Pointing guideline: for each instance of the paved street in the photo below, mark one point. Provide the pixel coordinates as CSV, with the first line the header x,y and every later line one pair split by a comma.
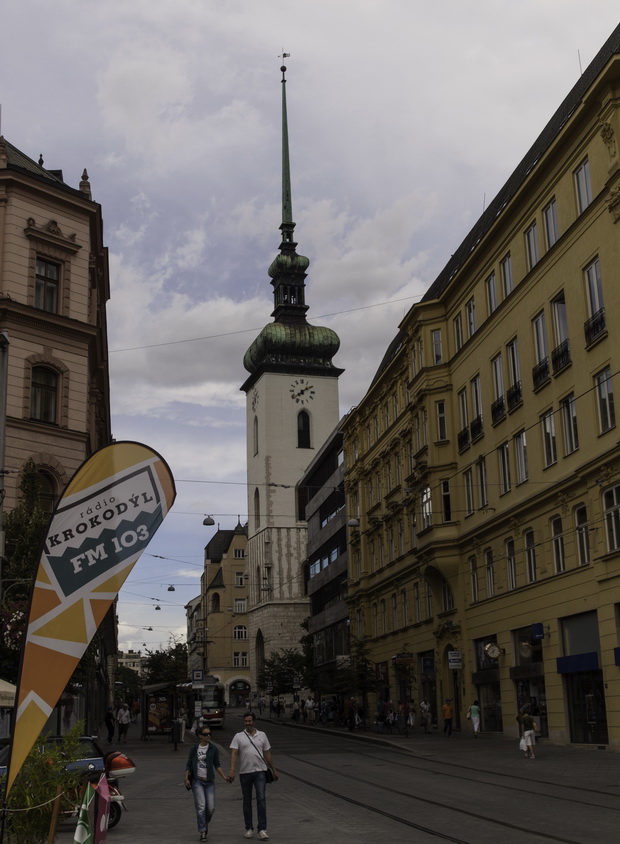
x,y
337,787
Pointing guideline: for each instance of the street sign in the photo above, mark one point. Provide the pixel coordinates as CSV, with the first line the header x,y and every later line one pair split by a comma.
x,y
455,660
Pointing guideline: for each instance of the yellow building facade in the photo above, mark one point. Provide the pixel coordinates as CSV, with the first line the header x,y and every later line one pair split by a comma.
x,y
483,464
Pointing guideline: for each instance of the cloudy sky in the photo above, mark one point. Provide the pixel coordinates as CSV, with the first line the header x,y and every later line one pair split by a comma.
x,y
405,117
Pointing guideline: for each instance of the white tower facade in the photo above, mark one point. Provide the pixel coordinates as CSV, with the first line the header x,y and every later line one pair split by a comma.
x,y
292,407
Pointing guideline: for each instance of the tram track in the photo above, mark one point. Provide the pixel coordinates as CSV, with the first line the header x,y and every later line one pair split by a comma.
x,y
481,772
443,805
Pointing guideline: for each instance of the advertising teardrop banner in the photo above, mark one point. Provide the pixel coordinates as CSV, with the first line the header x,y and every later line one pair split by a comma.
x,y
105,519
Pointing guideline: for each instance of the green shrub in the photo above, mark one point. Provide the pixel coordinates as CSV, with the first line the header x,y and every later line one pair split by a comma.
x,y
31,799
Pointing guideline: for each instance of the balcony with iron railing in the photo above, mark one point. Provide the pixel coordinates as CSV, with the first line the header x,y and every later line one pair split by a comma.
x,y
498,410
560,357
463,439
541,373
514,395
595,327
476,428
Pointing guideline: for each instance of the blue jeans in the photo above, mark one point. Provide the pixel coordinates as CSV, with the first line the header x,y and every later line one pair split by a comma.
x,y
256,779
204,801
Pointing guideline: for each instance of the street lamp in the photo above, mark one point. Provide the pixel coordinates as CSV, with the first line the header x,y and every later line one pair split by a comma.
x,y
208,521
13,582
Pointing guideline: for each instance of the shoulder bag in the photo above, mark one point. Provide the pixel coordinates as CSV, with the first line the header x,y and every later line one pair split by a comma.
x,y
269,775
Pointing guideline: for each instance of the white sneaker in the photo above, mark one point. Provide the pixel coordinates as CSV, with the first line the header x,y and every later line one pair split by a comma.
x,y
248,833
262,834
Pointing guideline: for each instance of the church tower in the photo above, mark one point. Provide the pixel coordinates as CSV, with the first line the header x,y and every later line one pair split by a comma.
x,y
291,408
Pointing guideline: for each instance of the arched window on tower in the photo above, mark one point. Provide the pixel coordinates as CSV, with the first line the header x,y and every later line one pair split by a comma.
x,y
215,602
255,434
303,429
256,508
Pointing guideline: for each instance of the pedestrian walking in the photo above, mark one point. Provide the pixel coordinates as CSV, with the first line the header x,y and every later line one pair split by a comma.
x,y
110,723
123,718
473,714
202,763
448,714
425,715
527,731
254,752
182,719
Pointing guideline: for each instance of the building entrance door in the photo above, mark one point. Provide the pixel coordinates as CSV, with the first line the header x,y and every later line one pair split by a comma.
x,y
587,713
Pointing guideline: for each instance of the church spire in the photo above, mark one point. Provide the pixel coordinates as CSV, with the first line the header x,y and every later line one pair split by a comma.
x,y
287,201
290,344
288,271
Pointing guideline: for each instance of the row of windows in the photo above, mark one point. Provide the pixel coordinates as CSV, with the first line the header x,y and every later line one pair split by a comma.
x,y
471,426
388,616
464,329
399,610
239,604
530,545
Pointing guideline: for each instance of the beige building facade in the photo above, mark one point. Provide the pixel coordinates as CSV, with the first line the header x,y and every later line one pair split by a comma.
x,y
54,389
483,464
54,285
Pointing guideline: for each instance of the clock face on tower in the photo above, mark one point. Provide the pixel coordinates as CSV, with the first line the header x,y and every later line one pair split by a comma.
x,y
254,399
302,391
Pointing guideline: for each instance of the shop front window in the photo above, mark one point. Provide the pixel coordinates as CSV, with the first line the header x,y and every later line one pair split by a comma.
x,y
528,674
583,678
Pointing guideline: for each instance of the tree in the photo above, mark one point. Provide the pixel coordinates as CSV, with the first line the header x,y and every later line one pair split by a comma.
x,y
358,676
309,671
45,772
130,681
25,527
281,670
167,666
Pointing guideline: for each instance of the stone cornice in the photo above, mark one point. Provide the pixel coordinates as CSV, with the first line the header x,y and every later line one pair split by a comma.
x,y
49,430
42,321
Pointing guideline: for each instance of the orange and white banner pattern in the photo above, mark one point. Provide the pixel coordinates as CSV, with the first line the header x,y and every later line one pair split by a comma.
x,y
108,514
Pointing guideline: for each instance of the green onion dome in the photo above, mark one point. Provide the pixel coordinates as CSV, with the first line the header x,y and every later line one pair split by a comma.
x,y
282,345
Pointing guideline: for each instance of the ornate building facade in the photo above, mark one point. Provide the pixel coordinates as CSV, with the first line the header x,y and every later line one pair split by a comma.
x,y
54,286
483,463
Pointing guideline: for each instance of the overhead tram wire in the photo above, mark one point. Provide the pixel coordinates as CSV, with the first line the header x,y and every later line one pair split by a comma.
x,y
254,330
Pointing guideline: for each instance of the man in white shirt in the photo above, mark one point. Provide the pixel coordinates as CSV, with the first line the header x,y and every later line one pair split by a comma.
x,y
123,717
254,752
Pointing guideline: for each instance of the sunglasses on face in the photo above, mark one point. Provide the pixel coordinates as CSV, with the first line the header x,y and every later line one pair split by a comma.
x,y
204,735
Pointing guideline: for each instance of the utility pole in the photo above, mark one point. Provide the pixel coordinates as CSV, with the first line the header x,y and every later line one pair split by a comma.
x,y
4,379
